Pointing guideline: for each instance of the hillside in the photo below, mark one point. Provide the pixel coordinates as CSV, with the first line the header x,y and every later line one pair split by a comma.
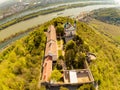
x,y
110,15
112,31
106,68
20,63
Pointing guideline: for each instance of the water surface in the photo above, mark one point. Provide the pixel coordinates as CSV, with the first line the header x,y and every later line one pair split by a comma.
x,y
21,26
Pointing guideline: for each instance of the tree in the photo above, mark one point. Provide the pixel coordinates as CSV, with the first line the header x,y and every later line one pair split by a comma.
x,y
84,48
56,75
69,58
78,40
71,45
42,88
60,30
79,60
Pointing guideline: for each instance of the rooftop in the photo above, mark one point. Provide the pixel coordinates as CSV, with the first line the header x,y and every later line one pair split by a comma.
x,y
51,33
50,53
47,69
68,27
51,48
51,45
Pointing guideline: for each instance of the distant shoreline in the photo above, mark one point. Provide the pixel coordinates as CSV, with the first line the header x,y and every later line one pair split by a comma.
x,y
45,18
44,12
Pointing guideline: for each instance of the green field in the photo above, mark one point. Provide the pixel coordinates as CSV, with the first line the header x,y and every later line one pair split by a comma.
x,y
107,22
109,30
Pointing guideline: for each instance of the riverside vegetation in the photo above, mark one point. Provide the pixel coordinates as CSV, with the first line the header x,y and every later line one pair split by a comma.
x,y
20,63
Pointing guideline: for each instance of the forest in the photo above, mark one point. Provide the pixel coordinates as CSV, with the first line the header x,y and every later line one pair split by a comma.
x,y
21,62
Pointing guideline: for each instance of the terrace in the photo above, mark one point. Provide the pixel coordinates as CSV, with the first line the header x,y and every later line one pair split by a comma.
x,y
79,76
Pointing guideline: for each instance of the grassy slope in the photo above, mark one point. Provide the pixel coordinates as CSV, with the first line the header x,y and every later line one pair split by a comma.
x,y
106,68
109,15
111,30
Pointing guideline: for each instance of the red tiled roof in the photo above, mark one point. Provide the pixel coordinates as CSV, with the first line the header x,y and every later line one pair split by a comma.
x,y
51,45
50,53
51,34
47,68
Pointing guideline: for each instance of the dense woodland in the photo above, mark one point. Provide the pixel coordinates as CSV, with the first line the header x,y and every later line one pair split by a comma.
x,y
75,53
109,15
21,62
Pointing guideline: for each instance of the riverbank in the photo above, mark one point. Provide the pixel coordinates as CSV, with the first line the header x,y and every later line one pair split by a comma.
x,y
49,6
7,41
24,25
44,12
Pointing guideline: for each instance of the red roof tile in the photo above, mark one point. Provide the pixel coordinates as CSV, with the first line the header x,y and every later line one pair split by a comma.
x,y
50,53
51,45
47,69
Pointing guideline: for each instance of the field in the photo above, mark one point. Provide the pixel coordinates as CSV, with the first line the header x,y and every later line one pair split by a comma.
x,y
109,30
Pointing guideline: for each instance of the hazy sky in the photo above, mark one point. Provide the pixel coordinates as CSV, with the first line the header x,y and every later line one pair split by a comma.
x,y
1,1
117,1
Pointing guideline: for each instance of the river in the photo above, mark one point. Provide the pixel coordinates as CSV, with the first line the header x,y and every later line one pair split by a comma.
x,y
5,44
22,26
26,12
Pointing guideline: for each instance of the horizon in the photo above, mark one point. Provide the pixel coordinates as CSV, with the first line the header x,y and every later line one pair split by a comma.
x,y
2,1
116,1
